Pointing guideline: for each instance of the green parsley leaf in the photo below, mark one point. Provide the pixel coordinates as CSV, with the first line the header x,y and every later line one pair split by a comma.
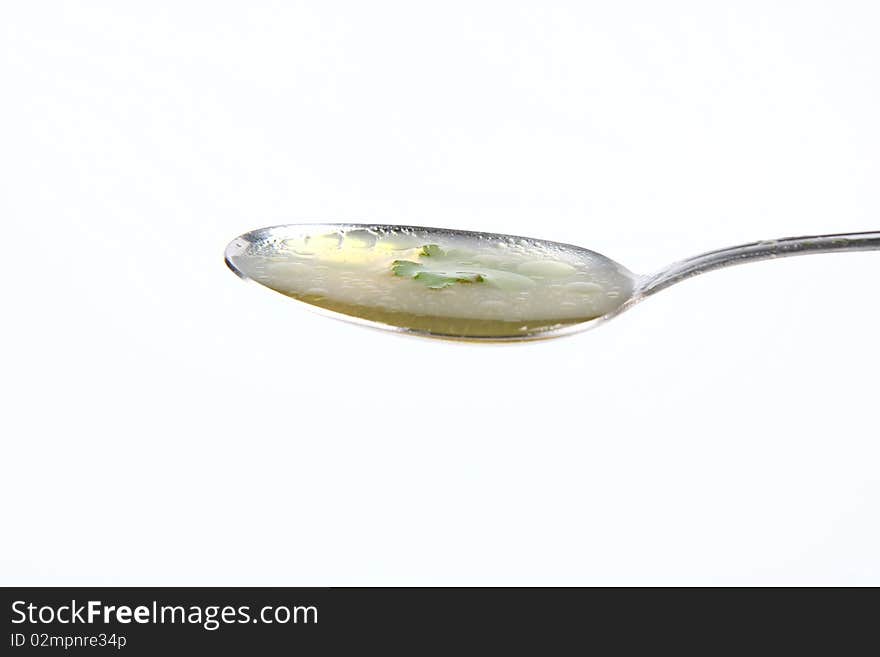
x,y
440,279
431,251
433,278
405,268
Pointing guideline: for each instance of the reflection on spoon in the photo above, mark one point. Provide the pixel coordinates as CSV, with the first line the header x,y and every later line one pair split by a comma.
x,y
467,285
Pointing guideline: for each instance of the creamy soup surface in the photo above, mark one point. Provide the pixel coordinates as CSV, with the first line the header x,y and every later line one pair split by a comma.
x,y
436,281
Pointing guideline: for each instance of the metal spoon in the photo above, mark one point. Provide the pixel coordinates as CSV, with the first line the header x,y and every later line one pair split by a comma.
x,y
473,286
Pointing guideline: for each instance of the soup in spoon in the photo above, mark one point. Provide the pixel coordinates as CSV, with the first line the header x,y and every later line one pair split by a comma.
x,y
434,281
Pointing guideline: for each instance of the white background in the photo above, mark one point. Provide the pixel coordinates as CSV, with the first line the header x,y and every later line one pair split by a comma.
x,y
165,423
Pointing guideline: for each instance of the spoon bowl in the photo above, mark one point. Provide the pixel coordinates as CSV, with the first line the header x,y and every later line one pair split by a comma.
x,y
469,285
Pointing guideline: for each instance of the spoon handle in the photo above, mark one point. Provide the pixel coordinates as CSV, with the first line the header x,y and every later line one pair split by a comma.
x,y
734,255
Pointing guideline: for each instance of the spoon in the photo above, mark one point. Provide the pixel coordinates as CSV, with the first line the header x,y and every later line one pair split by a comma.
x,y
473,286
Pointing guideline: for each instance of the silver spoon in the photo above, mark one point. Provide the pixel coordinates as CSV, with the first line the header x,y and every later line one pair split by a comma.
x,y
473,286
